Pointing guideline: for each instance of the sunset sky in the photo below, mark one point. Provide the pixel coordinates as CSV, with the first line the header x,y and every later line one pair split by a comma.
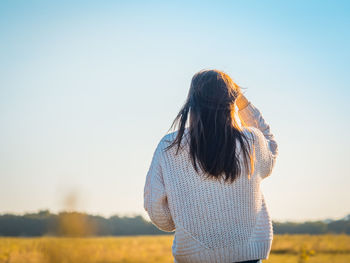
x,y
87,89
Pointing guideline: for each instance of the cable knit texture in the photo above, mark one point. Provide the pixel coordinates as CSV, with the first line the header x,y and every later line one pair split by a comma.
x,y
213,221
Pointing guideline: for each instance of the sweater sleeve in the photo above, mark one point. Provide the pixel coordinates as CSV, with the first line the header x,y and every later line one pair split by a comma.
x,y
155,198
268,148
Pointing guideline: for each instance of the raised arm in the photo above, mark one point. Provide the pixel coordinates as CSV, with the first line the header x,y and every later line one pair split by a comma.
x,y
252,117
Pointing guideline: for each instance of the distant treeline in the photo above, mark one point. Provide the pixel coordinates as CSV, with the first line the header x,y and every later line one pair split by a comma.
x,y
80,224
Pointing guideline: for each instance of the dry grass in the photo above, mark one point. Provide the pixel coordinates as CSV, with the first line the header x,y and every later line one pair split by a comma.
x,y
152,249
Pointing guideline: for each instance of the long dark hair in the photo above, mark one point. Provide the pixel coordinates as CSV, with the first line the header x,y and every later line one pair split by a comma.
x,y
213,128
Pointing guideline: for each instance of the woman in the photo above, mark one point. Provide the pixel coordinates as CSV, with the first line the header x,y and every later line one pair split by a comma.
x,y
204,178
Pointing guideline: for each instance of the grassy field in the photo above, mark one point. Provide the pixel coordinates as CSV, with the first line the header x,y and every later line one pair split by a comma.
x,y
152,249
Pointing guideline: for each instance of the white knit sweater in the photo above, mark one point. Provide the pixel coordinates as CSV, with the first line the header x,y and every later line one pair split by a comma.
x,y
213,221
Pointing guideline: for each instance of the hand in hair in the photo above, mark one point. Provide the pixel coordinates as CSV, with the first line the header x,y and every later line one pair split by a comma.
x,y
241,101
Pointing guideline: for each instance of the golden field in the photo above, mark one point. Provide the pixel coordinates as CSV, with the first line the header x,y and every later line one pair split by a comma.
x,y
152,249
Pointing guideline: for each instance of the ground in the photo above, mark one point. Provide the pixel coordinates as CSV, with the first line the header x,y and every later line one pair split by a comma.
x,y
152,249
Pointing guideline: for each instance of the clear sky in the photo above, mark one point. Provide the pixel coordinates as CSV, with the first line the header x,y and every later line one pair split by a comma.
x,y
87,89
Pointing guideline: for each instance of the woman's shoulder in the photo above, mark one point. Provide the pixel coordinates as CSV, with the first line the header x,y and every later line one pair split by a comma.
x,y
258,138
255,136
250,132
169,138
